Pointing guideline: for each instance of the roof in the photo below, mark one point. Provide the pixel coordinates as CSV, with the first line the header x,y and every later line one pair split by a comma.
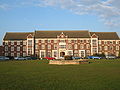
x,y
106,35
16,35
54,34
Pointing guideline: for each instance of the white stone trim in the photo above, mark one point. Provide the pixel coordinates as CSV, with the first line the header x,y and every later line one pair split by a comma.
x,y
42,51
80,52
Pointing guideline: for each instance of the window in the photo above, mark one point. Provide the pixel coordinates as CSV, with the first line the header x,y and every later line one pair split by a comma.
x,y
29,51
12,48
117,47
42,46
88,52
18,54
105,48
94,50
70,53
49,41
42,54
81,41
111,47
12,54
24,42
24,48
55,53
24,54
18,42
117,42
55,46
6,43
6,54
99,42
29,42
76,53
62,46
12,42
94,42
6,48
105,42
88,46
111,42
75,46
87,41
81,46
18,48
49,46
49,53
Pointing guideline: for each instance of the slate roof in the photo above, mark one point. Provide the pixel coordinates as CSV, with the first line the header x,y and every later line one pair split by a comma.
x,y
16,35
106,35
54,34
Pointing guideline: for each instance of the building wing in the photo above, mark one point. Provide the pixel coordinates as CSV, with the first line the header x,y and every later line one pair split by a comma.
x,y
16,35
106,35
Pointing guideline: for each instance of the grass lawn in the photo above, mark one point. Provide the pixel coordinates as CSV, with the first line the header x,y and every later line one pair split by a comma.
x,y
39,75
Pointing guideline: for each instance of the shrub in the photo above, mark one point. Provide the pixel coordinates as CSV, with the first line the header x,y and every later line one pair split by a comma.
x,y
68,57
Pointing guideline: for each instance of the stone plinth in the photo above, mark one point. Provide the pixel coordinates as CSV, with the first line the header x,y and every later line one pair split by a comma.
x,y
64,62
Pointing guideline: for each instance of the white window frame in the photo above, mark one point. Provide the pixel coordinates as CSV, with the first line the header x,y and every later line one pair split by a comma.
x,y
18,54
41,52
18,42
6,48
12,48
49,46
117,47
70,52
12,42
24,48
12,54
75,46
18,48
24,42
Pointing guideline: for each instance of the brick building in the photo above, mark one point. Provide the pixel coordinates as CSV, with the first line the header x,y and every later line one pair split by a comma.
x,y
60,43
1,50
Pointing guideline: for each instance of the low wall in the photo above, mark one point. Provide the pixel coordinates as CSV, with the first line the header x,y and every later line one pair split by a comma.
x,y
63,62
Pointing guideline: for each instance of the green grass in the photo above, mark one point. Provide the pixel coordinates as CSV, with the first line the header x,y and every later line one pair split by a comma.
x,y
39,75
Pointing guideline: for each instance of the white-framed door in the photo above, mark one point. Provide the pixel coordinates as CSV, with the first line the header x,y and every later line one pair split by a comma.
x,y
82,53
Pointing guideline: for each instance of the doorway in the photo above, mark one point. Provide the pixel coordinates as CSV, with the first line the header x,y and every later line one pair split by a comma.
x,y
62,54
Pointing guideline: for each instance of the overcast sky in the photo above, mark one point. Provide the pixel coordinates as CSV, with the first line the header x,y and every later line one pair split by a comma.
x,y
30,15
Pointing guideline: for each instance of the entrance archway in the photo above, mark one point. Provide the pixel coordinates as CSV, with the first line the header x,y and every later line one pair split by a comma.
x,y
62,54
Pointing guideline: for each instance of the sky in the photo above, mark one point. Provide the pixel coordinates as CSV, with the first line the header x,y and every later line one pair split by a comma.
x,y
31,15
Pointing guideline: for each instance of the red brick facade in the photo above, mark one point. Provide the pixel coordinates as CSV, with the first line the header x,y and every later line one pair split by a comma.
x,y
1,50
57,43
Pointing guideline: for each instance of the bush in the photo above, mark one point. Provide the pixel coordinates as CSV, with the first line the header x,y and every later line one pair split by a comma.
x,y
68,57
